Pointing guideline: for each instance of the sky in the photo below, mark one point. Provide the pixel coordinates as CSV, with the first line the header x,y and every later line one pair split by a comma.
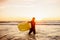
x,y
15,9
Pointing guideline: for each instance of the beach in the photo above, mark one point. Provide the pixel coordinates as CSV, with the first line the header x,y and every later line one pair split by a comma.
x,y
43,32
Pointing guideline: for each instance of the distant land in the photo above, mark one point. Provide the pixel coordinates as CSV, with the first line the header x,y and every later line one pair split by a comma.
x,y
43,22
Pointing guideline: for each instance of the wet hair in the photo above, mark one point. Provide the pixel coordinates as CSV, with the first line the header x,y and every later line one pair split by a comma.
x,y
33,18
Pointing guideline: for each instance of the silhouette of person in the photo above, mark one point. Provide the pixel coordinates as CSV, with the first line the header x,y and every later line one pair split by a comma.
x,y
32,29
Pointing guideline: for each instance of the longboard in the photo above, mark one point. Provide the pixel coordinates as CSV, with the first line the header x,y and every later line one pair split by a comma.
x,y
24,26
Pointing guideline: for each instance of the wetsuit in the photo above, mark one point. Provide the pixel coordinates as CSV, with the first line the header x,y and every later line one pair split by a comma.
x,y
32,27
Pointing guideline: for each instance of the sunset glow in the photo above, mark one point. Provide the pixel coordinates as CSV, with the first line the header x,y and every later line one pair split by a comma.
x,y
26,9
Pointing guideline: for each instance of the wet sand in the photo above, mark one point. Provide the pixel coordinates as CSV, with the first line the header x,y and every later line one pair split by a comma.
x,y
43,32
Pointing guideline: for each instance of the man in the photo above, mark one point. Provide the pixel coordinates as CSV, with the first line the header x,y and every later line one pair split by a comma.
x,y
32,29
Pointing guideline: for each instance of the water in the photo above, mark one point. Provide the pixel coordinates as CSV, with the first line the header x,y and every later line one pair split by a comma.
x,y
43,32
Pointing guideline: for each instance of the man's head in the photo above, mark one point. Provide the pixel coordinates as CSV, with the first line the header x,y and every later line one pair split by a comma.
x,y
33,18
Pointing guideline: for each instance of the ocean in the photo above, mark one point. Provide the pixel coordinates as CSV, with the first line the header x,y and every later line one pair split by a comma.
x,y
9,31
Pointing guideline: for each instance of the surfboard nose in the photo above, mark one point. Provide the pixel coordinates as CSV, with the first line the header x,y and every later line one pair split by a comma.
x,y
24,26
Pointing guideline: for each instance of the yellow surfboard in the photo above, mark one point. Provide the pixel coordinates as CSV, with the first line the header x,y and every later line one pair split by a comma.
x,y
24,26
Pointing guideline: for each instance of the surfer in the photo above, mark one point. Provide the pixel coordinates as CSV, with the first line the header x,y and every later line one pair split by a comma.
x,y
32,29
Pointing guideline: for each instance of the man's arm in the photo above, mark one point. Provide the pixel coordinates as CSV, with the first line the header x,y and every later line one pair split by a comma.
x,y
29,21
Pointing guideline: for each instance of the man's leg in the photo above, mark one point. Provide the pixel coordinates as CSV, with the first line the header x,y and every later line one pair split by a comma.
x,y
30,31
34,31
